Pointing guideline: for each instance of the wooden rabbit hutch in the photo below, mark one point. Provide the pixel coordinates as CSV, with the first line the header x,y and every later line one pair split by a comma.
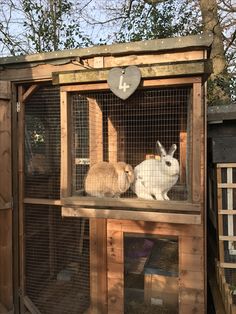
x,y
78,253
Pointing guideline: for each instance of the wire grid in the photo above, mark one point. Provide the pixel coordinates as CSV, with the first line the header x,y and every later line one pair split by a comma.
x,y
147,116
151,273
80,138
56,260
42,144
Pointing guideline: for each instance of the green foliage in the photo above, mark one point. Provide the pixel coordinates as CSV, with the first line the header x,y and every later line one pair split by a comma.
x,y
49,25
221,90
149,21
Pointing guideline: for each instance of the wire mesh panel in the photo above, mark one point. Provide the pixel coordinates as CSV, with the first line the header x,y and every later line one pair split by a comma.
x,y
108,129
42,144
80,136
56,260
151,274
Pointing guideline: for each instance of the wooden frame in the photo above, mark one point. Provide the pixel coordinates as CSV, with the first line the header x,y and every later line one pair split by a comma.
x,y
196,137
120,212
191,262
185,213
229,212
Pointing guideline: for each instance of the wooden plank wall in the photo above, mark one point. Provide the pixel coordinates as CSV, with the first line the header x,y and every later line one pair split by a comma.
x,y
5,197
191,262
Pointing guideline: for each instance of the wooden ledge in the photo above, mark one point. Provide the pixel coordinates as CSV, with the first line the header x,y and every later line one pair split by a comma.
x,y
127,203
180,212
131,203
121,214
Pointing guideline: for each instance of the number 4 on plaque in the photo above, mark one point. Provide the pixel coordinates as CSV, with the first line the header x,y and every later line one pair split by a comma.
x,y
123,85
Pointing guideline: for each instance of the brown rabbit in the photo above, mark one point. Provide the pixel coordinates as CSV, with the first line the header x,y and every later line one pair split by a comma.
x,y
105,179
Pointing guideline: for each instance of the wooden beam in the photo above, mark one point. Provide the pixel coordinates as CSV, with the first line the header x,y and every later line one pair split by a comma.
x,y
197,126
98,266
226,185
6,206
31,306
143,84
42,201
21,192
153,71
65,146
149,206
227,238
131,215
30,91
112,141
227,212
15,220
105,202
183,157
165,57
226,165
228,265
95,132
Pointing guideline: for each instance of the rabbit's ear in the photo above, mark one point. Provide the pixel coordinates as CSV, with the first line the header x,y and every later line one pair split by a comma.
x,y
172,150
161,149
123,183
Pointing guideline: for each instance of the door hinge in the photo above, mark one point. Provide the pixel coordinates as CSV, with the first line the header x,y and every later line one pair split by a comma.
x,y
18,106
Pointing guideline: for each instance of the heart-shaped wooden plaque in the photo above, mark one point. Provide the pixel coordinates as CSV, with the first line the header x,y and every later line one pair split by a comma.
x,y
124,82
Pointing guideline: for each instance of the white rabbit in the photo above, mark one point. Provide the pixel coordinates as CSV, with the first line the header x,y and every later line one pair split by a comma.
x,y
155,177
105,179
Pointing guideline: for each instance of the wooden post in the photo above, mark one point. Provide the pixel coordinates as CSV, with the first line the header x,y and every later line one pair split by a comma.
x,y
183,156
197,129
15,198
6,289
191,273
95,132
98,266
98,289
112,141
65,146
115,261
21,181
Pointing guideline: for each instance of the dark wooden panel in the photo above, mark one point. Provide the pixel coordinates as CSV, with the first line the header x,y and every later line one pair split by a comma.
x,y
224,149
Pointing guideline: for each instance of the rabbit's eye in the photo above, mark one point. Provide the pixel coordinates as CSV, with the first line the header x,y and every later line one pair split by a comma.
x,y
168,163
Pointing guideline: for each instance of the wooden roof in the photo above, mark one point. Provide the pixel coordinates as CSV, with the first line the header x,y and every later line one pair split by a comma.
x,y
193,42
219,113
